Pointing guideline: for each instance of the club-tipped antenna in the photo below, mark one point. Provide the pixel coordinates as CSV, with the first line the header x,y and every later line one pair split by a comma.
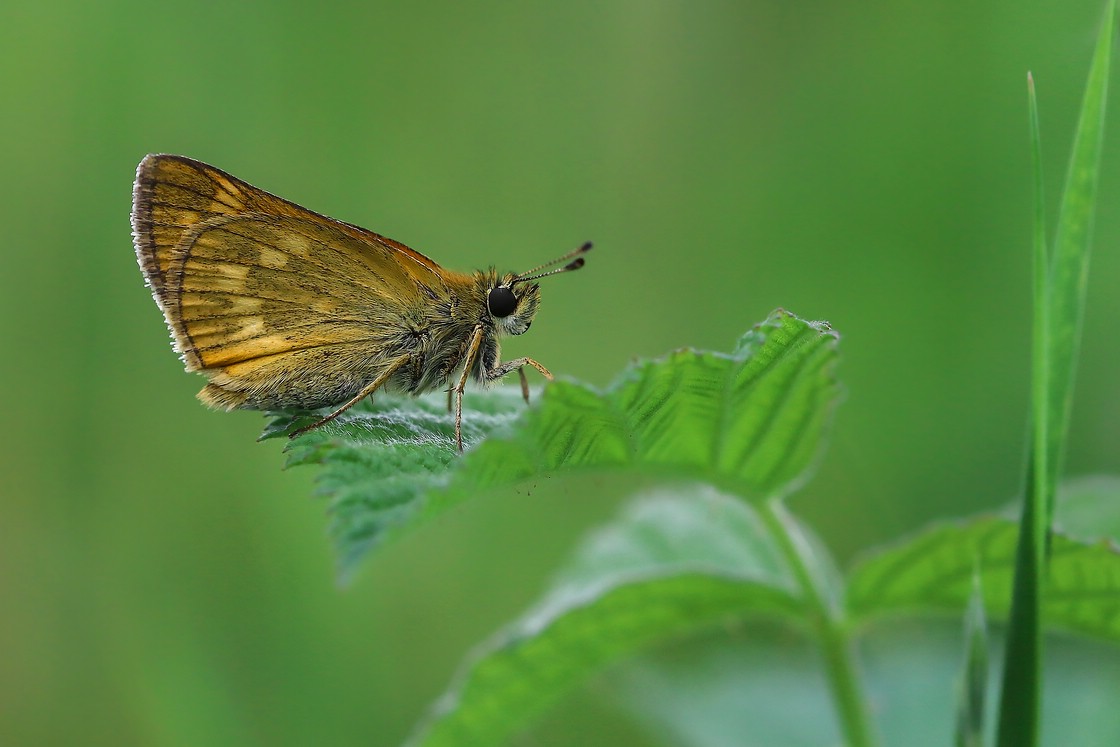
x,y
576,262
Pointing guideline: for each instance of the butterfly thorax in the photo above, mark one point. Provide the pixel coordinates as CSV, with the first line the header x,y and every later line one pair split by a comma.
x,y
441,343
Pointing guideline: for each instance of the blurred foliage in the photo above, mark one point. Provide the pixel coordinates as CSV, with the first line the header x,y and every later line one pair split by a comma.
x,y
164,583
683,561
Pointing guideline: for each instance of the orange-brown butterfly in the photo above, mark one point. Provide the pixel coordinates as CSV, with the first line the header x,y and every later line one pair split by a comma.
x,y
282,308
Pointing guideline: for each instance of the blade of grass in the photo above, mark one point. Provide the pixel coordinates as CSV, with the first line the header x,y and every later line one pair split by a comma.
x,y
1020,691
1041,482
1069,263
1059,299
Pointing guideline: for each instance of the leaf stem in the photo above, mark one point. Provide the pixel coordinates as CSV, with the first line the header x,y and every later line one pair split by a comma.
x,y
826,617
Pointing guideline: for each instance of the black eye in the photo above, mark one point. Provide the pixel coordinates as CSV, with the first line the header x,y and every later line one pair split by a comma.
x,y
502,302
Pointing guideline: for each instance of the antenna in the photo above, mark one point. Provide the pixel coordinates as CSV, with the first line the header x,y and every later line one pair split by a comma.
x,y
576,262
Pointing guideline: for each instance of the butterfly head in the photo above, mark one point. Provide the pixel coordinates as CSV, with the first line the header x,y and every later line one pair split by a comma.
x,y
512,307
514,301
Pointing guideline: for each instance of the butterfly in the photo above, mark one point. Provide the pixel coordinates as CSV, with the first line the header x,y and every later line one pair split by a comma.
x,y
283,308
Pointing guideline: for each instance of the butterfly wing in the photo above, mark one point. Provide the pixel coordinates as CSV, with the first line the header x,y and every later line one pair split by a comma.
x,y
174,194
278,305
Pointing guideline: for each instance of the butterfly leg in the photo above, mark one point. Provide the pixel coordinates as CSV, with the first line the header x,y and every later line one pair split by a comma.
x,y
367,390
524,384
468,363
519,365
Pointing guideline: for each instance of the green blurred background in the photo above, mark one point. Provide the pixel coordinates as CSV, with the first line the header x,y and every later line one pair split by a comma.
x,y
163,582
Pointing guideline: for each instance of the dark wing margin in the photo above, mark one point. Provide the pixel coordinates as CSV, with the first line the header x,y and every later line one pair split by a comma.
x,y
172,195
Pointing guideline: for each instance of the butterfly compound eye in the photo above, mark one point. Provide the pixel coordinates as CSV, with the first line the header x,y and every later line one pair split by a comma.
x,y
501,302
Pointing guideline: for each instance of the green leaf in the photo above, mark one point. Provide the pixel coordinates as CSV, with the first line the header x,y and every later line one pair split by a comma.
x,y
932,571
386,456
691,527
1089,507
670,565
754,688
751,422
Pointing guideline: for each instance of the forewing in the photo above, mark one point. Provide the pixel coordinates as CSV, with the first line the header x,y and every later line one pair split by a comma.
x,y
243,275
174,195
